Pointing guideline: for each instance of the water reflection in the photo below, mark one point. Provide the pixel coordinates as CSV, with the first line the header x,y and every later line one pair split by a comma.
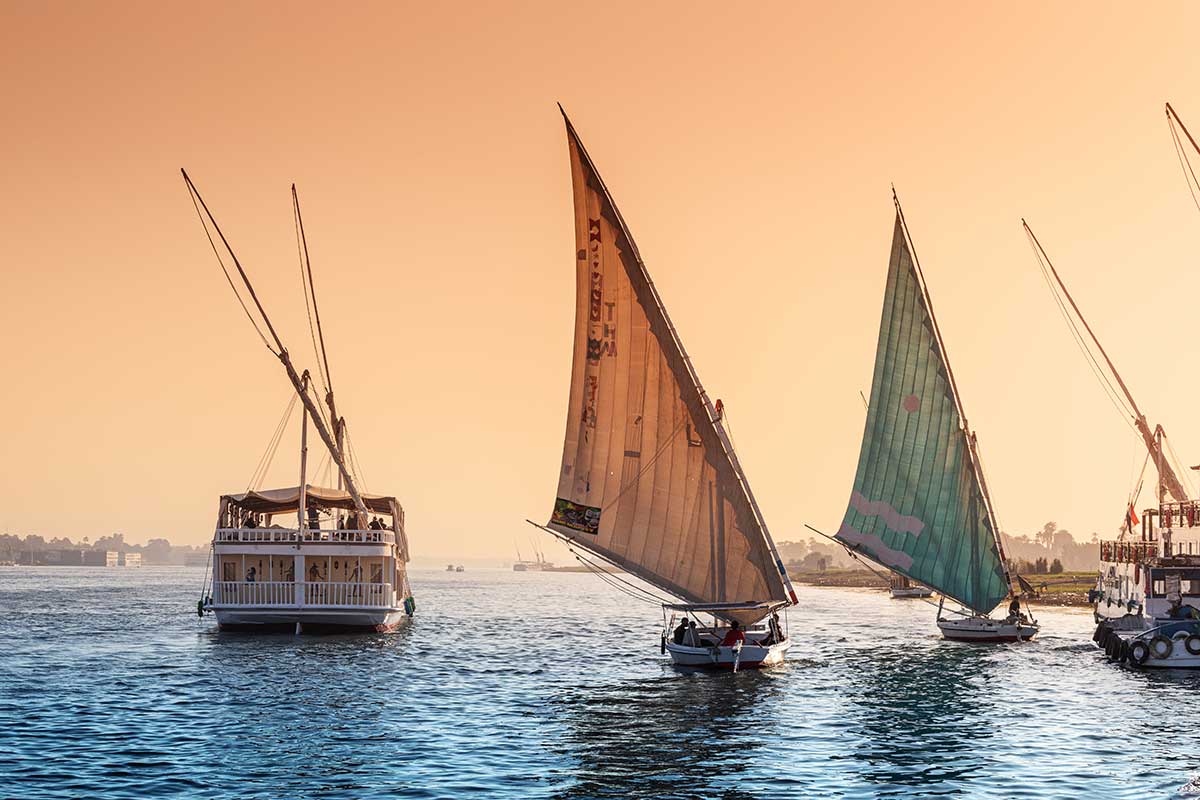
x,y
677,735
918,716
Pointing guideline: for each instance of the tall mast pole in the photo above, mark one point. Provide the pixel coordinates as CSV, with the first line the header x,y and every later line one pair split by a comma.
x,y
339,425
301,389
1167,476
303,461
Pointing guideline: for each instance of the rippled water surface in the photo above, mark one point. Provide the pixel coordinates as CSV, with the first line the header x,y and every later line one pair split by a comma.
x,y
551,685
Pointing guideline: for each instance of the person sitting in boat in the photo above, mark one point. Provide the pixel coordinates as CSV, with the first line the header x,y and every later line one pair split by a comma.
x,y
314,518
734,635
774,631
1179,611
375,525
681,631
251,521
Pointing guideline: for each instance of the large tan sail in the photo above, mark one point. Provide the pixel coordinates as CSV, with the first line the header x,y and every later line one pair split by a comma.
x,y
648,479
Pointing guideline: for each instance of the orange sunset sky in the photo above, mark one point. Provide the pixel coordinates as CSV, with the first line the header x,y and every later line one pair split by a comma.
x,y
751,148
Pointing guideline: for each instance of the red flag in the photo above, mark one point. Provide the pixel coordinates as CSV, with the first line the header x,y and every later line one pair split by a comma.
x,y
1131,518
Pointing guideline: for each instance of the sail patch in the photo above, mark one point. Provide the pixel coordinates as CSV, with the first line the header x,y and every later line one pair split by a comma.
x,y
896,521
875,547
576,516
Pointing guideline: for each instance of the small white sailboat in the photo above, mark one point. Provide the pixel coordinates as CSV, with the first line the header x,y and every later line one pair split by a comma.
x,y
341,562
904,589
649,480
920,505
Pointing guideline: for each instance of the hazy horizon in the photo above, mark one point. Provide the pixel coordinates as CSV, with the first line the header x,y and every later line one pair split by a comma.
x,y
751,153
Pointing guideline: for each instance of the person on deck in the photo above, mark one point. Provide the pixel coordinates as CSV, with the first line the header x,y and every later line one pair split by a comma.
x,y
734,635
314,518
776,632
251,522
692,639
251,575
680,631
1014,609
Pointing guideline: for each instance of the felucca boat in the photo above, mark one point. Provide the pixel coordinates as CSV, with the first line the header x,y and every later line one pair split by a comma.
x,y
649,481
920,505
340,561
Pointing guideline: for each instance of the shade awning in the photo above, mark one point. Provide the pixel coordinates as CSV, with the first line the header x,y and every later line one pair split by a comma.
x,y
281,501
719,607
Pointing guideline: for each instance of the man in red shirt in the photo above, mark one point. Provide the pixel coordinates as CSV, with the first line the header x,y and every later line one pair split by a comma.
x,y
734,635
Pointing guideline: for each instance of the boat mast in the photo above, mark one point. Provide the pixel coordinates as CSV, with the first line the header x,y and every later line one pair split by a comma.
x,y
714,418
285,359
1167,478
310,290
968,434
303,459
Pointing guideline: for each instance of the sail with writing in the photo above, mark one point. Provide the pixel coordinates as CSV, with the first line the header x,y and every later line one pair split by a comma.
x,y
918,506
649,480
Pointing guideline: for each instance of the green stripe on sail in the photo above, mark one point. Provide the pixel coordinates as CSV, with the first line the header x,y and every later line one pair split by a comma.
x,y
917,507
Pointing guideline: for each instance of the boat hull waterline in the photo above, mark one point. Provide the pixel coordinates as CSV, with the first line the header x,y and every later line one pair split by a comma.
x,y
752,656
984,630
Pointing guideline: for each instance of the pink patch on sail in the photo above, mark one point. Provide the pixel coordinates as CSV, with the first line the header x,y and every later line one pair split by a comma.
x,y
912,403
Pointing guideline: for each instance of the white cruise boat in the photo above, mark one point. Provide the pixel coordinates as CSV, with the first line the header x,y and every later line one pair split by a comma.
x,y
1147,594
318,576
306,557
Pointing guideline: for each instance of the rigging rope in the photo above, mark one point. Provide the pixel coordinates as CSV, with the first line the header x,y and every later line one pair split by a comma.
x,y
657,454
264,462
221,261
1185,163
307,287
1106,386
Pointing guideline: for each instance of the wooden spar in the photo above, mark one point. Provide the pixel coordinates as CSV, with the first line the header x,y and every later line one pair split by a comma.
x,y
303,461
1167,475
1171,114
972,447
311,291
286,360
714,418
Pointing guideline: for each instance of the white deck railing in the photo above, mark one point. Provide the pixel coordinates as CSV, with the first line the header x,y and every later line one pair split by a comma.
x,y
267,535
303,593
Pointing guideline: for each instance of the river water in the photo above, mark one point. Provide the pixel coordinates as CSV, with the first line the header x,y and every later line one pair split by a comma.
x,y
540,685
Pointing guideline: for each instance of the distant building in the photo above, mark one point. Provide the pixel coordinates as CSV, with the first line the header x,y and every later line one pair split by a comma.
x,y
112,558
131,559
95,558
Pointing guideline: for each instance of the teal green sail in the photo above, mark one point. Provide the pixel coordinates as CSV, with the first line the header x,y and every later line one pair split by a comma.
x,y
918,506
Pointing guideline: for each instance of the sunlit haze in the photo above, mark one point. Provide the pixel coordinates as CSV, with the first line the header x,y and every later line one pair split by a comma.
x,y
751,149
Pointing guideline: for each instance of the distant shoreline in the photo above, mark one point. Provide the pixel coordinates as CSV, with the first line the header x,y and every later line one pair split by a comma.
x,y
1071,592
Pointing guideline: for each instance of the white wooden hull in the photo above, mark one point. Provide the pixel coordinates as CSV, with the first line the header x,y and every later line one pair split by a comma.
x,y
985,629
910,592
378,619
751,656
1164,648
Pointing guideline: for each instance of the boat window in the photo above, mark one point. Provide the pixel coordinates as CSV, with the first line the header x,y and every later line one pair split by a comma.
x,y
1160,587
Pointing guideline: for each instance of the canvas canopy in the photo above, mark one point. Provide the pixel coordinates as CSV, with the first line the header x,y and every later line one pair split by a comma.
x,y
282,501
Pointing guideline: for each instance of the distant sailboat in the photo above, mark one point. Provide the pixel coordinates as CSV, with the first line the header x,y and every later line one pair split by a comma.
x,y
920,506
649,481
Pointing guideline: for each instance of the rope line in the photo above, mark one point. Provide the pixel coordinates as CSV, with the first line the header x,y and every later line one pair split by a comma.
x,y
1110,391
236,293
1185,163
264,462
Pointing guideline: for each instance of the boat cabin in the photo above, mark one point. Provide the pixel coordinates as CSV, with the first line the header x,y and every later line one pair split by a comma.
x,y
1148,575
278,560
